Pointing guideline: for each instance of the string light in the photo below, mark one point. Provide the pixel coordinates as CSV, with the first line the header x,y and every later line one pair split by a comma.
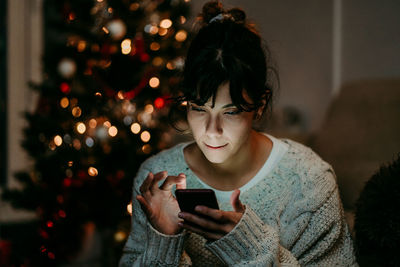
x,y
92,123
92,171
149,108
120,236
170,66
80,127
145,136
89,142
98,94
126,46
134,6
112,131
58,140
64,102
166,23
77,144
105,30
159,102
154,82
135,128
81,46
181,36
129,208
182,19
120,95
70,163
146,149
162,31
154,46
157,61
76,112
107,124
64,87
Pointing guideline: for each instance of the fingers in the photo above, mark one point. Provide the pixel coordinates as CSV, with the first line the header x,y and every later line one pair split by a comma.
x,y
157,178
182,184
236,203
172,180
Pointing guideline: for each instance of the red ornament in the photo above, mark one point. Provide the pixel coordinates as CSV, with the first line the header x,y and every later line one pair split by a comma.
x,y
65,88
50,224
159,102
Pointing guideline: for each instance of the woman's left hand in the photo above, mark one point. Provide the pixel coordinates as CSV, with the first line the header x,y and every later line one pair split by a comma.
x,y
221,222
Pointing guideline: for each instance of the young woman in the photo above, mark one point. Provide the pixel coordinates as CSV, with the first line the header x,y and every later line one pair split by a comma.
x,y
279,202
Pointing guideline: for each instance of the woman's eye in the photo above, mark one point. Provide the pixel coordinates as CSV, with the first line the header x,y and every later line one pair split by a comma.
x,y
233,112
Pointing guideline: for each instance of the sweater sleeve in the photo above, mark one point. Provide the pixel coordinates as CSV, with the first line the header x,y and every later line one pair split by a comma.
x,y
321,240
145,245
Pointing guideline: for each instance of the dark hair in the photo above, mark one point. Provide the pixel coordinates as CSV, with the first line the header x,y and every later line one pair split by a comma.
x,y
227,49
377,221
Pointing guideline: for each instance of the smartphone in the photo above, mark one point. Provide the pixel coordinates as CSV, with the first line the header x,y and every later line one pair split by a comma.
x,y
188,199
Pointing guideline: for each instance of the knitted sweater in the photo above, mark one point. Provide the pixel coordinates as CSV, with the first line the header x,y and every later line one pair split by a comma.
x,y
293,217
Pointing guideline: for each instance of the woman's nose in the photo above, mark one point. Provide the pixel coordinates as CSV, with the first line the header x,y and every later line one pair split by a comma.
x,y
214,126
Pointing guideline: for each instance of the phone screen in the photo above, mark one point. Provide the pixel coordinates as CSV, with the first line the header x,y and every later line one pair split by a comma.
x,y
188,199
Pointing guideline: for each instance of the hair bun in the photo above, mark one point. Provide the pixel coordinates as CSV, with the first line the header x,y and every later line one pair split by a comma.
x,y
237,14
210,10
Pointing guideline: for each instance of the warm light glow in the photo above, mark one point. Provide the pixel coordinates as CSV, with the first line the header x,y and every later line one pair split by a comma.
x,y
112,131
135,128
92,171
105,30
110,10
120,95
76,112
182,19
126,47
76,144
162,31
154,46
107,124
184,103
129,208
58,140
80,127
64,103
81,46
166,23
181,35
170,66
134,6
157,61
159,102
70,163
145,136
120,236
146,149
92,123
98,94
149,108
153,30
154,82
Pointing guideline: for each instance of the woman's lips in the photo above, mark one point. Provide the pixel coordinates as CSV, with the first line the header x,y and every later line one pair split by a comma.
x,y
215,147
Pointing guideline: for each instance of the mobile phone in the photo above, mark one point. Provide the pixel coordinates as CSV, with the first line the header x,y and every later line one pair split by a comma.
x,y
188,199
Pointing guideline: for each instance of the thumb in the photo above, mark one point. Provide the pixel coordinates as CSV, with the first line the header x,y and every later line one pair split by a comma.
x,y
236,203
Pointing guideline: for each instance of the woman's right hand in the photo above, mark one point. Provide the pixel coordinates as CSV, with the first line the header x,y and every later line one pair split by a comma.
x,y
158,203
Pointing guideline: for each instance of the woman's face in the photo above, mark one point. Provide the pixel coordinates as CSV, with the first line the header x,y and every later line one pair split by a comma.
x,y
222,131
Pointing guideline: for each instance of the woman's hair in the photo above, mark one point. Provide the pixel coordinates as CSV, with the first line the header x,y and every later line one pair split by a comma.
x,y
227,49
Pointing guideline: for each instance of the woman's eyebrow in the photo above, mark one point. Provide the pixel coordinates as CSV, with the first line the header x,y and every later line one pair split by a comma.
x,y
229,105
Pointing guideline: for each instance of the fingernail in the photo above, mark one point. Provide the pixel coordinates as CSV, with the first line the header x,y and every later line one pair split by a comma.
x,y
198,208
180,224
180,215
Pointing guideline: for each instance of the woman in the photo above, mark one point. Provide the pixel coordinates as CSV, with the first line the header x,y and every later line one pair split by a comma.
x,y
279,202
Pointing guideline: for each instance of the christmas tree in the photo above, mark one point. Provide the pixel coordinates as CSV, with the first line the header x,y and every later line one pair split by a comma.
x,y
110,67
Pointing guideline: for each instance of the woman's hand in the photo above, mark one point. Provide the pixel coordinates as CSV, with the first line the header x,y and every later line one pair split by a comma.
x,y
221,222
158,203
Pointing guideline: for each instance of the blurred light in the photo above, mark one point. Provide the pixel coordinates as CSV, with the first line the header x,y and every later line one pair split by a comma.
x,y
62,214
149,108
64,87
146,149
162,31
154,82
107,124
166,23
50,224
99,1
76,112
129,208
67,139
89,142
71,16
76,144
95,48
64,102
80,127
112,131
184,103
182,19
127,120
58,140
134,6
69,173
170,66
105,30
135,128
92,123
70,163
98,94
154,46
92,171
126,46
52,146
120,236
110,10
120,95
159,102
157,61
187,1
145,136
81,46
73,102
51,255
181,35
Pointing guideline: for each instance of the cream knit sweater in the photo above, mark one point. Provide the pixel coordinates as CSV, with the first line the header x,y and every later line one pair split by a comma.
x,y
293,217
